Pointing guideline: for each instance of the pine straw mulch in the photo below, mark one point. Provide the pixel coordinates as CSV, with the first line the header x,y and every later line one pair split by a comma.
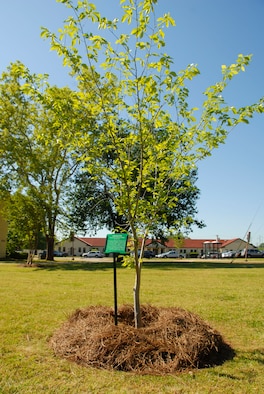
x,y
171,339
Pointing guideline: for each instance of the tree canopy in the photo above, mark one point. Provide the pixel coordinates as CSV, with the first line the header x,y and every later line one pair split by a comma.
x,y
91,206
161,138
38,158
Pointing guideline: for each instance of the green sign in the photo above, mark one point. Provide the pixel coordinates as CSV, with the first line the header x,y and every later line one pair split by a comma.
x,y
116,243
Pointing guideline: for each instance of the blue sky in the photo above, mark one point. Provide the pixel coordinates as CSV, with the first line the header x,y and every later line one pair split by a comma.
x,y
209,33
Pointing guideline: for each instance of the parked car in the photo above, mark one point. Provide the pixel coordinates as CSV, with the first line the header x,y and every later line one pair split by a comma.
x,y
252,253
212,255
56,253
229,254
92,253
147,254
42,255
170,254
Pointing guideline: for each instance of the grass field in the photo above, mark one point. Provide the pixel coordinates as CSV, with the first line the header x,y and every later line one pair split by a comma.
x,y
36,301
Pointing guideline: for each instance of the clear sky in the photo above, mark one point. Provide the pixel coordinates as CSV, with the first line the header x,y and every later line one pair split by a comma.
x,y
209,33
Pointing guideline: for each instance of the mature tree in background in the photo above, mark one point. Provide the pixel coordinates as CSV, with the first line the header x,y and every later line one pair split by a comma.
x,y
91,207
25,229
182,216
261,246
168,136
37,127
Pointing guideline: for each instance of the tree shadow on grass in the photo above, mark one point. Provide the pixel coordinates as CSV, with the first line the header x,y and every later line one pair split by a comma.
x,y
256,355
244,357
151,264
74,266
167,265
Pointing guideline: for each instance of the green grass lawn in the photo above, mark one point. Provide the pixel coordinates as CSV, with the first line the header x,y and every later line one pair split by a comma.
x,y
36,301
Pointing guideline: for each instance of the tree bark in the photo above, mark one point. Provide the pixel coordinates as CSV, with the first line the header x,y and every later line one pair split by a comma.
x,y
50,247
137,309
138,266
30,257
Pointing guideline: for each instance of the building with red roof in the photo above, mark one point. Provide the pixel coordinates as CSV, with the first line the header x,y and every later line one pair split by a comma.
x,y
186,247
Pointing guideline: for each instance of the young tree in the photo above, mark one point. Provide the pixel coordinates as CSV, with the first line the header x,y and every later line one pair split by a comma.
x,y
164,137
37,128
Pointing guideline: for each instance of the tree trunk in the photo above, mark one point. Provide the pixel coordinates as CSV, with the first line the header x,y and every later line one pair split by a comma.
x,y
137,309
30,257
50,247
138,265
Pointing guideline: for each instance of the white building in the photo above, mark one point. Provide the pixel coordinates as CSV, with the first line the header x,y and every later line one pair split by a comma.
x,y
79,245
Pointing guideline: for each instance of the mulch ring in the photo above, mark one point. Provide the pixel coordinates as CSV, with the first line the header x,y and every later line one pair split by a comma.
x,y
171,339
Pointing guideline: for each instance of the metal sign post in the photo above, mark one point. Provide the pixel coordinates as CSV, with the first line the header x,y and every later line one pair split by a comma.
x,y
116,244
115,289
